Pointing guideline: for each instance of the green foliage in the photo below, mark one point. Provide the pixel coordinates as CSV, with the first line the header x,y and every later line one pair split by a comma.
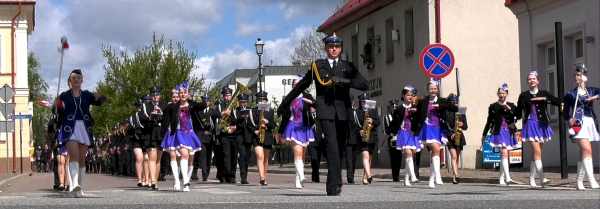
x,y
274,105
129,76
38,92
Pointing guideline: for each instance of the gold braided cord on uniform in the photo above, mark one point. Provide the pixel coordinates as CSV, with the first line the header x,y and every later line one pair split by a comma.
x,y
316,72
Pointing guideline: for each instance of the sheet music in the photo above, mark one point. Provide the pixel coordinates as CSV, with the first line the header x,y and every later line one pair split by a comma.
x,y
264,106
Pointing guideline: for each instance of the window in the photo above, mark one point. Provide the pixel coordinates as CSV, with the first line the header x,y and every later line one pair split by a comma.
x,y
389,43
551,79
409,38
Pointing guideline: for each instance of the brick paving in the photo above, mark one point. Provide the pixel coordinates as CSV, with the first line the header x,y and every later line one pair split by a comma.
x,y
491,176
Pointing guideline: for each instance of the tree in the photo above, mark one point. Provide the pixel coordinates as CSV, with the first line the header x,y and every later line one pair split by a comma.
x,y
310,49
38,92
128,77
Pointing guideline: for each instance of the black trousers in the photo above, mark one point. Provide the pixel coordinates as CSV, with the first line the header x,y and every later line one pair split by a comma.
x,y
244,149
230,157
417,162
218,160
350,154
205,159
335,141
395,161
165,163
316,152
55,171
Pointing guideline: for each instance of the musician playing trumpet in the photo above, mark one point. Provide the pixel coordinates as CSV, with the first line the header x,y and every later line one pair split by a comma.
x,y
455,146
364,118
262,148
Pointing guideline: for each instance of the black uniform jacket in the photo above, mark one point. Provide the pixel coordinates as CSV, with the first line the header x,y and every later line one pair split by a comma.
x,y
524,104
422,109
359,119
254,123
149,122
203,123
494,119
451,120
333,99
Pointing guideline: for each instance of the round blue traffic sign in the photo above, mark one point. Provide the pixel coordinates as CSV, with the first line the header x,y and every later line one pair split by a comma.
x,y
437,61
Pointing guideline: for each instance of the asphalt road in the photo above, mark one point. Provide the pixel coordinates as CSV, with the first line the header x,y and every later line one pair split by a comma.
x,y
103,191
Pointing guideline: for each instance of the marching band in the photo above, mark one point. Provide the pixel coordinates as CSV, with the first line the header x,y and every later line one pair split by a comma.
x,y
197,136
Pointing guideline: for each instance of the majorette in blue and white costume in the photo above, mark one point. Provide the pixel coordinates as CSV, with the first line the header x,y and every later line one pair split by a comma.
x,y
500,119
76,124
579,107
184,137
168,142
430,128
501,135
536,130
406,140
432,131
296,130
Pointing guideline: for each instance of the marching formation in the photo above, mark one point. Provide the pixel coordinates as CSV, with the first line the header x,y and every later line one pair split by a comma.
x,y
184,136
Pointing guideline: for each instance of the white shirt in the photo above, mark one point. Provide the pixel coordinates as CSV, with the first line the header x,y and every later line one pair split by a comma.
x,y
331,61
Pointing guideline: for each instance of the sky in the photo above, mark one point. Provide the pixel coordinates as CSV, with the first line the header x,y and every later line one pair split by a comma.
x,y
221,32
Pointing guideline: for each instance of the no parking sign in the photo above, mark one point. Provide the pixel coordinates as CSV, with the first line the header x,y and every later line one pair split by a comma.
x,y
437,61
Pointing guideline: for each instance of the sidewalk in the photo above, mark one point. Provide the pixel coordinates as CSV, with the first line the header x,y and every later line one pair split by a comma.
x,y
8,178
489,176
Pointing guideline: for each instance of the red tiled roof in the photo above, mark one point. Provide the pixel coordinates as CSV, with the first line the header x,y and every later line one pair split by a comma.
x,y
347,9
510,2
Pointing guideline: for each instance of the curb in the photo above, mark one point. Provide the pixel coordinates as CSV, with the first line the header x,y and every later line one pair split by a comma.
x,y
7,182
389,176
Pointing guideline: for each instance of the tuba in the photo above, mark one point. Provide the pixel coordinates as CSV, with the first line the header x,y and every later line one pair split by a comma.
x,y
226,119
262,128
457,130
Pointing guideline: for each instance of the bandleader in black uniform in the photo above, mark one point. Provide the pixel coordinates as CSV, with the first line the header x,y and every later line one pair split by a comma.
x,y
333,79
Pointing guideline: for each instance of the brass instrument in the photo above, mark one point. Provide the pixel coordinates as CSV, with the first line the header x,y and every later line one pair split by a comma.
x,y
457,130
225,119
262,128
367,128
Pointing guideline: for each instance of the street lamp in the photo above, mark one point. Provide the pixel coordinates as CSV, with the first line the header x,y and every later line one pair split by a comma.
x,y
259,51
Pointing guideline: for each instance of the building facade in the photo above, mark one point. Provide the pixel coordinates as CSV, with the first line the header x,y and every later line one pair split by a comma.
x,y
580,21
277,80
13,72
482,36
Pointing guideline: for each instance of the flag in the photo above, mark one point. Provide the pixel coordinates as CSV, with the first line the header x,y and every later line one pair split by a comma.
x,y
45,103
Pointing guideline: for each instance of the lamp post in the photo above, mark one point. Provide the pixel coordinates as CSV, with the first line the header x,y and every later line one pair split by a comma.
x,y
259,51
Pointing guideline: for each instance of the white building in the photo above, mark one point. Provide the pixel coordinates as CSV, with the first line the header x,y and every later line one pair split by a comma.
x,y
482,34
277,80
537,50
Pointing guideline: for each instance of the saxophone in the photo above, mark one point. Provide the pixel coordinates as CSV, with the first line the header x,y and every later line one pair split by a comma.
x,y
262,128
457,130
225,119
367,128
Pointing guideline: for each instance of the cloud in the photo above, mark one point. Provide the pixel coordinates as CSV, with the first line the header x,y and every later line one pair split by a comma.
x,y
122,25
245,29
276,52
321,9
